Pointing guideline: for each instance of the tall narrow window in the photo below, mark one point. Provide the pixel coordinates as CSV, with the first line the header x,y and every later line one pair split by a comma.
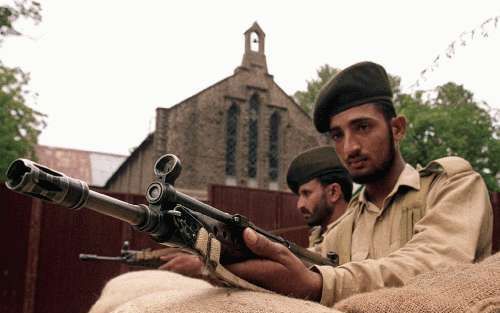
x,y
253,136
231,139
274,126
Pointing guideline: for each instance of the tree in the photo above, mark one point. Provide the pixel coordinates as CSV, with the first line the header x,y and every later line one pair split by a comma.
x,y
306,98
452,123
9,14
19,124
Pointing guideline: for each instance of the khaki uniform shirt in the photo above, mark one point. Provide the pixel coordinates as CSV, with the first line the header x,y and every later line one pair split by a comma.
x,y
385,247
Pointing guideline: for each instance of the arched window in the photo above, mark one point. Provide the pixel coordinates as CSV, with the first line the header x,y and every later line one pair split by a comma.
x,y
254,42
253,136
274,127
231,139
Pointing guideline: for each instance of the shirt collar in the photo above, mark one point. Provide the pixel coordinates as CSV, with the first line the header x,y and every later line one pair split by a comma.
x,y
334,223
408,177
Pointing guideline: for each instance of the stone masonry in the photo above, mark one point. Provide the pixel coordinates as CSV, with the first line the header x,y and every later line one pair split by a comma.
x,y
196,131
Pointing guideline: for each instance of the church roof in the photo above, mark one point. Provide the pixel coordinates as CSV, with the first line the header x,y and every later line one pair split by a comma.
x,y
255,27
121,167
95,168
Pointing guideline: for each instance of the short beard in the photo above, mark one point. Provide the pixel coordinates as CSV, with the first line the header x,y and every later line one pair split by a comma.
x,y
323,211
380,171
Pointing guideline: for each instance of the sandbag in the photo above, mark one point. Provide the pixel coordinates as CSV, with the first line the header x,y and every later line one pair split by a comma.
x,y
467,288
165,292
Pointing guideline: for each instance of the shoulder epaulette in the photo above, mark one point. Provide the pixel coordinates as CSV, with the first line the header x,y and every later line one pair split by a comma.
x,y
450,165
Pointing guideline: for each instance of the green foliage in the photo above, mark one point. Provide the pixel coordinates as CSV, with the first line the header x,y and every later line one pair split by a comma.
x,y
450,123
306,98
9,14
19,124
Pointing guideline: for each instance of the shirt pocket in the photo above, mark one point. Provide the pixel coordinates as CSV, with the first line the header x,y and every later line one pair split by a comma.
x,y
403,223
409,217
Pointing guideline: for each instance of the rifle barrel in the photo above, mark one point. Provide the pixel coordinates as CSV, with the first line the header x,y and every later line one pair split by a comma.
x,y
131,213
35,180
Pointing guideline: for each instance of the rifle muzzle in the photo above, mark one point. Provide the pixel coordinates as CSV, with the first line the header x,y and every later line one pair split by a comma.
x,y
35,180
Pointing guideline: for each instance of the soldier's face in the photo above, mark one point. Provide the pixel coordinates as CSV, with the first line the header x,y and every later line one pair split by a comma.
x,y
364,142
313,203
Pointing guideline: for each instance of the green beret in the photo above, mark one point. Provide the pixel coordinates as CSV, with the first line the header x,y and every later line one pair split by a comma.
x,y
356,85
314,163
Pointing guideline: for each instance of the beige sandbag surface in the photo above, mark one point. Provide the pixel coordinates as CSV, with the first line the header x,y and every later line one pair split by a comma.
x,y
164,292
466,288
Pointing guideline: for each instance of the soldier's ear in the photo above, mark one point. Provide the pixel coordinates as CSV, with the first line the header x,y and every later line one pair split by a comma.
x,y
398,128
333,192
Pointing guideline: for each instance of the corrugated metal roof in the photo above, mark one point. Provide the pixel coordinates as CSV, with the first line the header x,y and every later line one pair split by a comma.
x,y
95,168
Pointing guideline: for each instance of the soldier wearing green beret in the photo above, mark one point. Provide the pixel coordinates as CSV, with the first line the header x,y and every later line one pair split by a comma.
x,y
324,188
403,222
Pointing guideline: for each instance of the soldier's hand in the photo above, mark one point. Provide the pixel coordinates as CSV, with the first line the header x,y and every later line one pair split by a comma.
x,y
278,269
183,263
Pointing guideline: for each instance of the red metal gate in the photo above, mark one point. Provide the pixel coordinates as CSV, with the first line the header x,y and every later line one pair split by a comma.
x,y
39,267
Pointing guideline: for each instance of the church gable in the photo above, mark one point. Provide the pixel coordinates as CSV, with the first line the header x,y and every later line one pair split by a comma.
x,y
243,130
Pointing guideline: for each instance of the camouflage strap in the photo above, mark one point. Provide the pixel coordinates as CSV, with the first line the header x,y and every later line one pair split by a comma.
x,y
210,249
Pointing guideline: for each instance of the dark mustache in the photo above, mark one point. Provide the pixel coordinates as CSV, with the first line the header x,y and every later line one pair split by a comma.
x,y
356,158
304,211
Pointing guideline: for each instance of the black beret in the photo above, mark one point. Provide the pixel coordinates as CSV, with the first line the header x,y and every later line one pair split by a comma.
x,y
356,85
312,164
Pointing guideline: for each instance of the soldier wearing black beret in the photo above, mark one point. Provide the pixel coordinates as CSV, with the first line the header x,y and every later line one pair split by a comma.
x,y
361,83
323,186
316,162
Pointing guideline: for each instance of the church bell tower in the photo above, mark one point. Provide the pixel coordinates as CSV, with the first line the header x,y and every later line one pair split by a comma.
x,y
254,58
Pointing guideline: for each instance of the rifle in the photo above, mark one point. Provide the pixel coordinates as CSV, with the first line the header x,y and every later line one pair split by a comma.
x,y
146,258
171,218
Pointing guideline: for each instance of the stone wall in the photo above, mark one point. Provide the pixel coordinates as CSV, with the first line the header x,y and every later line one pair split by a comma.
x,y
195,130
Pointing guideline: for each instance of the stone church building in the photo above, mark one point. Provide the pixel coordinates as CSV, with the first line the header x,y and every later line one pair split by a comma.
x,y
243,130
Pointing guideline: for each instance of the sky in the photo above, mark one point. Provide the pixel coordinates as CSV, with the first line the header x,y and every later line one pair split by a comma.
x,y
101,68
